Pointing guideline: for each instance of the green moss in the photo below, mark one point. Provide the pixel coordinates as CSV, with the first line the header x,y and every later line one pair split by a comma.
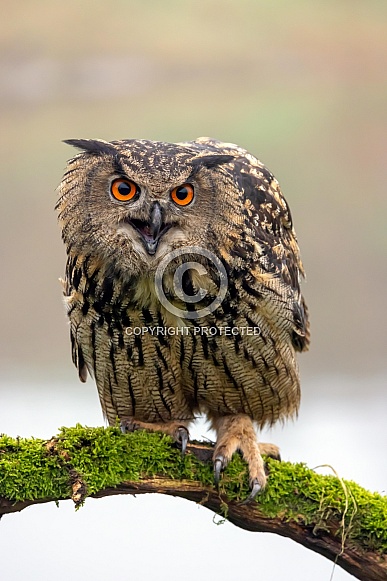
x,y
27,473
105,458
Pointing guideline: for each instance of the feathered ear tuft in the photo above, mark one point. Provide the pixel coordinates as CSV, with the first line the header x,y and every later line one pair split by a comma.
x,y
96,146
211,160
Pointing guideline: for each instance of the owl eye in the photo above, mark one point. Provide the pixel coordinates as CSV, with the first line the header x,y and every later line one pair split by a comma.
x,y
124,190
183,195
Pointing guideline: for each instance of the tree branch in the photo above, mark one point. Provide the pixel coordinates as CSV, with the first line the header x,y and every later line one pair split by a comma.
x,y
337,519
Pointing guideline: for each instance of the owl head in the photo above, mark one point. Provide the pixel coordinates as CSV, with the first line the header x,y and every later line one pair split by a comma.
x,y
129,203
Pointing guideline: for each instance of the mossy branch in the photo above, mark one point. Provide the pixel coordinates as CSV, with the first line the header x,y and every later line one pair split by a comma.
x,y
337,519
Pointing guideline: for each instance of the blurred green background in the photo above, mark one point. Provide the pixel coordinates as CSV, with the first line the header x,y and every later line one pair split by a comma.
x,y
301,84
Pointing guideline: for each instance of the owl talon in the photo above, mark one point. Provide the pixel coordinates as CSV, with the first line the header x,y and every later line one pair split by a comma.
x,y
219,465
256,488
182,438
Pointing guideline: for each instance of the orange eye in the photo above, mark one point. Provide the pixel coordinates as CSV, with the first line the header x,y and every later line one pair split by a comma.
x,y
124,190
183,195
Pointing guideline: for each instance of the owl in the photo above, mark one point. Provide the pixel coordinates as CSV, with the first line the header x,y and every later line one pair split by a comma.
x,y
182,288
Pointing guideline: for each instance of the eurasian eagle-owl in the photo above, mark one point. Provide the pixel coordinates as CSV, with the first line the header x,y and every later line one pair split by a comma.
x,y
128,207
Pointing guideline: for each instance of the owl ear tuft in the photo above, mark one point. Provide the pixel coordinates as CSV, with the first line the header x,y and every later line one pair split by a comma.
x,y
211,160
96,146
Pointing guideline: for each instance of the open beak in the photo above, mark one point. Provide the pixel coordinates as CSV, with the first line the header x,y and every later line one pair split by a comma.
x,y
151,231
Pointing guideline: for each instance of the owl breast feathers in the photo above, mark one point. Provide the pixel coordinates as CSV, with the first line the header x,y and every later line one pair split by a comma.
x,y
183,289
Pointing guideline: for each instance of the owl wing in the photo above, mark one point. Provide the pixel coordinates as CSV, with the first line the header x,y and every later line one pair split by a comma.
x,y
269,227
70,301
77,357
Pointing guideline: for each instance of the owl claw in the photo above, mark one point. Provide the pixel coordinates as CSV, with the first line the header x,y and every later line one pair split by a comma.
x,y
256,487
182,437
219,465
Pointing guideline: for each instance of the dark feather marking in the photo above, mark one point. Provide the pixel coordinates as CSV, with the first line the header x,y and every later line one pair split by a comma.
x,y
107,290
213,344
249,357
121,342
73,348
266,363
161,356
194,344
82,372
76,277
229,308
132,396
250,290
158,413
126,321
215,361
91,284
146,314
162,340
204,340
118,167
237,340
161,387
236,384
68,191
93,348
298,341
111,392
71,309
228,372
225,403
250,321
113,362
69,172
160,378
266,383
97,306
182,352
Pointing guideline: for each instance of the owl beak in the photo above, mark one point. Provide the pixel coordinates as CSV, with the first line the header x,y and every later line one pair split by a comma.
x,y
151,231
156,220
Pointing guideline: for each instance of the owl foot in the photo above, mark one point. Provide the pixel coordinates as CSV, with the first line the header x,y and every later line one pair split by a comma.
x,y
177,430
219,466
237,433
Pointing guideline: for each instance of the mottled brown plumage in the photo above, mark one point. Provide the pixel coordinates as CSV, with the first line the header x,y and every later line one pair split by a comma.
x,y
160,380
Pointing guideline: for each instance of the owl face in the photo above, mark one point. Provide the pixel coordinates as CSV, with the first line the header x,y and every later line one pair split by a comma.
x,y
132,202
